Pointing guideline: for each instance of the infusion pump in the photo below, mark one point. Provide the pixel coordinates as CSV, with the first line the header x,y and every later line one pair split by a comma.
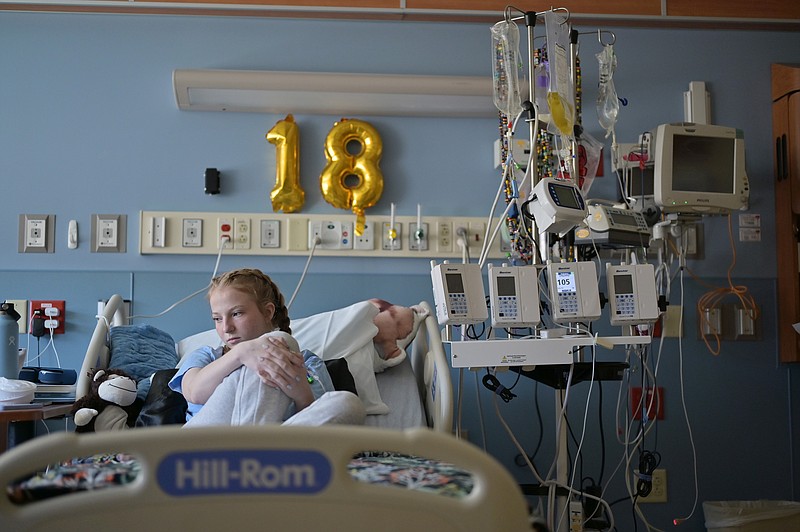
x,y
514,296
632,294
574,295
458,293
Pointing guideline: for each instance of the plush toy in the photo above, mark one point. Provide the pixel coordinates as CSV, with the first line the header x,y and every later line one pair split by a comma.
x,y
397,326
111,403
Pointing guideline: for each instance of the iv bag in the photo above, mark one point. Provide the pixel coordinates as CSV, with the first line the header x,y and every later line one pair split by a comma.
x,y
506,66
560,93
607,102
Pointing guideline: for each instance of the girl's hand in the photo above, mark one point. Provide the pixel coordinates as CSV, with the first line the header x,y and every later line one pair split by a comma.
x,y
272,360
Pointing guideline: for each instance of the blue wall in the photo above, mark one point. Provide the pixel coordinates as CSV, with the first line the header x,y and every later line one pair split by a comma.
x,y
90,125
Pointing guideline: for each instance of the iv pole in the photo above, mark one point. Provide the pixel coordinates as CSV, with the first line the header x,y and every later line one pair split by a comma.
x,y
558,516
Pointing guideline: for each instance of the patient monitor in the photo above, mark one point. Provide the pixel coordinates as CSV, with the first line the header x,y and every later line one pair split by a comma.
x,y
573,291
514,296
557,205
458,293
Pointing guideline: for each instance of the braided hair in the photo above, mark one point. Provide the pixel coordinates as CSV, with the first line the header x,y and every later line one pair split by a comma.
x,y
263,288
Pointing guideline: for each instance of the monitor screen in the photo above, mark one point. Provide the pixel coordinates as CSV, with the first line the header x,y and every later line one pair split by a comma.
x,y
699,169
702,164
639,182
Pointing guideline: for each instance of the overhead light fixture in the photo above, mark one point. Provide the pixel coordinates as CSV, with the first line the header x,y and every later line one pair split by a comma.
x,y
331,93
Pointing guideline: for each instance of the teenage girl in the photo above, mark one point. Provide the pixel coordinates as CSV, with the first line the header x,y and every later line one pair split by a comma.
x,y
258,375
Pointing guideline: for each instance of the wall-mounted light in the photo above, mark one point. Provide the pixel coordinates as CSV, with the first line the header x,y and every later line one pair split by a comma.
x,y
334,93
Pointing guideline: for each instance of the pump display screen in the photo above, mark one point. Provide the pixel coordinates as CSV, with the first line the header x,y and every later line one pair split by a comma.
x,y
623,284
564,196
506,286
565,282
619,218
455,284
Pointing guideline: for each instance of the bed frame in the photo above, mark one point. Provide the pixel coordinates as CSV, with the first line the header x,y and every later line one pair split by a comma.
x,y
427,355
195,479
292,478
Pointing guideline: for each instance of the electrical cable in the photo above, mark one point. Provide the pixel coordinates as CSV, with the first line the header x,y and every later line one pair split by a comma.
x,y
680,520
481,422
316,242
222,240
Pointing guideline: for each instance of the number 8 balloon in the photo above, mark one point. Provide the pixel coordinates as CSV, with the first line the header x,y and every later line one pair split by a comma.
x,y
352,179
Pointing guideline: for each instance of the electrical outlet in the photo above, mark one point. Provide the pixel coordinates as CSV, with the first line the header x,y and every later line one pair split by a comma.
x,y
575,516
192,233
241,233
445,236
108,233
653,402
36,233
224,233
270,233
54,310
658,491
366,240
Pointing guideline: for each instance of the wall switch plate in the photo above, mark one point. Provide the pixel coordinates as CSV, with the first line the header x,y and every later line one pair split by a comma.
x,y
37,233
270,233
672,322
159,231
109,233
192,233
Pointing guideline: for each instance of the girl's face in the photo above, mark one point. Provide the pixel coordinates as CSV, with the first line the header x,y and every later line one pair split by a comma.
x,y
237,315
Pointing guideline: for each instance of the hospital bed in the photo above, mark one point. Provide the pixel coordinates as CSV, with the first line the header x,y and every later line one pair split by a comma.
x,y
283,478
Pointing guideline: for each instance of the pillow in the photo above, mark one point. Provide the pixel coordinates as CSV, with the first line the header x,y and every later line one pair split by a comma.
x,y
140,351
346,333
190,343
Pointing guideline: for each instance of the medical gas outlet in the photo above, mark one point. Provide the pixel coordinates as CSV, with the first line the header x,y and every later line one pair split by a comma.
x,y
198,233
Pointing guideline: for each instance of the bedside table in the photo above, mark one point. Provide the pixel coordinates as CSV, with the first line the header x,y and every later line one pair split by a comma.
x,y
32,413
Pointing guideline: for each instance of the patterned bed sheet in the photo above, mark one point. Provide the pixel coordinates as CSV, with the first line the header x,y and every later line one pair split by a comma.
x,y
106,470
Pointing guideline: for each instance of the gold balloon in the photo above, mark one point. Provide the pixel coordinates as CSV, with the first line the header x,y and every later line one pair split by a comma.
x,y
352,178
287,195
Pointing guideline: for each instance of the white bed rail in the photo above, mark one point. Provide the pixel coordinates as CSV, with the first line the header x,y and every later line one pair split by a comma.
x,y
97,351
432,370
286,478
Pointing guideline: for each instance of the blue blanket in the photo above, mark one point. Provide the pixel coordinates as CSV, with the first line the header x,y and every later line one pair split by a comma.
x,y
140,351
